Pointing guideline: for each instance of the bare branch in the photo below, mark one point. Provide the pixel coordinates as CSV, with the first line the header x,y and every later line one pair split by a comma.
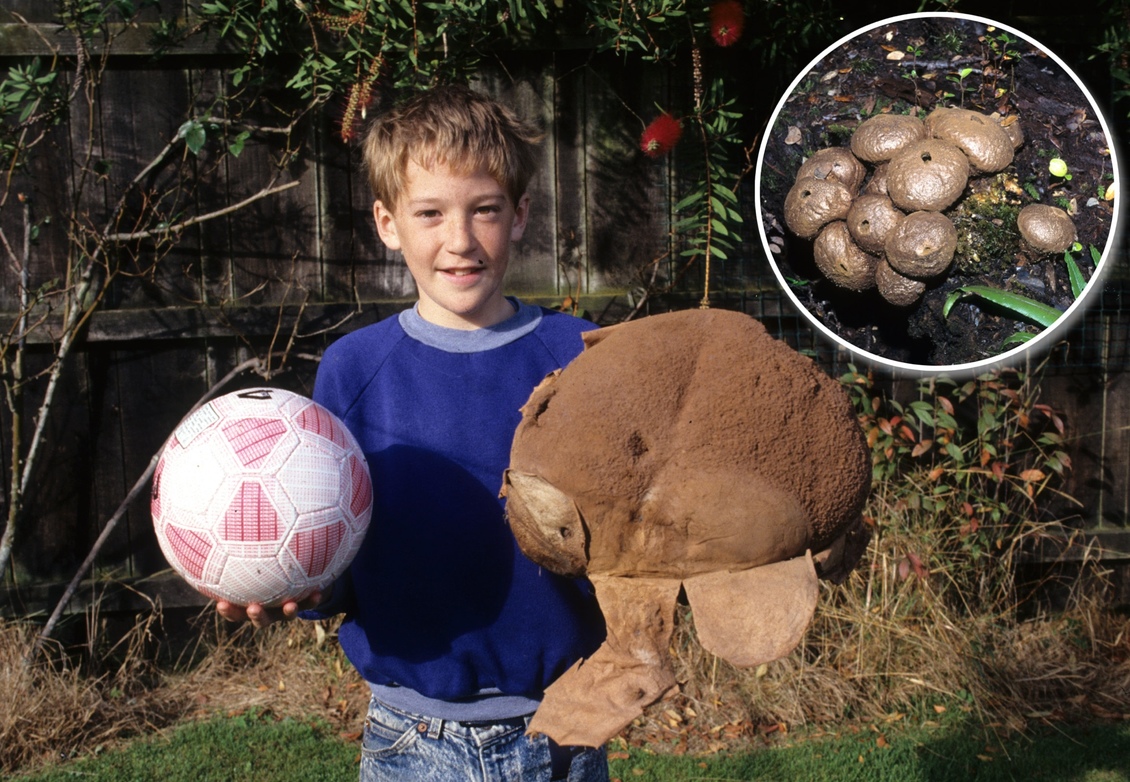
x,y
268,191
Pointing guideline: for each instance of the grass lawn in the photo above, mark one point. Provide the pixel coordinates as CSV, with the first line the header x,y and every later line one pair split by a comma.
x,y
264,749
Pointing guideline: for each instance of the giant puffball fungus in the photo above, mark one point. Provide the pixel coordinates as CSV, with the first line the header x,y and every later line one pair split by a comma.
x,y
922,245
896,288
691,451
1047,229
982,139
813,203
841,260
927,175
871,219
835,163
879,138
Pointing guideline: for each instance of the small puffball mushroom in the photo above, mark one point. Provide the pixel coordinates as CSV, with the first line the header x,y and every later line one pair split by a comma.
x,y
929,174
835,163
897,289
922,245
813,203
983,140
879,138
841,260
877,184
1047,229
1011,127
871,220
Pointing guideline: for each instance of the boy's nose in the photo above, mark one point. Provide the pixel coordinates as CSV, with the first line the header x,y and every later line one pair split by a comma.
x,y
460,236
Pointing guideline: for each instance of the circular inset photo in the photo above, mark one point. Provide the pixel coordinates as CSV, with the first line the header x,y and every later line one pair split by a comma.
x,y
938,191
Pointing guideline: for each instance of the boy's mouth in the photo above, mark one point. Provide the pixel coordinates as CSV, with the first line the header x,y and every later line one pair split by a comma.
x,y
464,271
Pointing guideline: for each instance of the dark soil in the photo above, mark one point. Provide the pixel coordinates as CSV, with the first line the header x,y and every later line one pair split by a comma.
x,y
858,80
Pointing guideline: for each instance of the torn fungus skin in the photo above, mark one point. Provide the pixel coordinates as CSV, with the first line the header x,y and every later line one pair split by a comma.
x,y
687,450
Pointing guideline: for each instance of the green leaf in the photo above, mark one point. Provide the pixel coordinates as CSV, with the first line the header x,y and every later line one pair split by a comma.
x,y
236,145
924,412
693,198
1096,256
1076,276
193,134
1019,305
1018,338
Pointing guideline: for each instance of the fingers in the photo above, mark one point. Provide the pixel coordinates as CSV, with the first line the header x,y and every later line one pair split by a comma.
x,y
231,611
261,617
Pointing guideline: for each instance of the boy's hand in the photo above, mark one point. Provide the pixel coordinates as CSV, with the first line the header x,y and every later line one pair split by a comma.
x,y
260,617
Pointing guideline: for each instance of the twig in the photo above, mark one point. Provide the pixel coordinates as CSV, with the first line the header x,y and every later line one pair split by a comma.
x,y
267,191
254,364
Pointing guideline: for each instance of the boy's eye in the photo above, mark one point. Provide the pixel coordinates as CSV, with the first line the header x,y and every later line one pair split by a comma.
x,y
489,209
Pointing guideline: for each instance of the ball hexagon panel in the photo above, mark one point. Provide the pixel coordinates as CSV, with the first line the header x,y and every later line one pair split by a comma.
x,y
208,475
190,548
303,477
359,490
250,517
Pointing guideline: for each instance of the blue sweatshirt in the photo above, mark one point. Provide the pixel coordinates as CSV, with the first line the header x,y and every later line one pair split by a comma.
x,y
443,613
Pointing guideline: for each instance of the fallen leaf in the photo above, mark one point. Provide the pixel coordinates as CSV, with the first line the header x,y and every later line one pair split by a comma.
x,y
896,55
794,136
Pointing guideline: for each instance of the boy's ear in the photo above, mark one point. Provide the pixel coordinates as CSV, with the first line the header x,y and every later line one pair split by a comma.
x,y
521,214
386,225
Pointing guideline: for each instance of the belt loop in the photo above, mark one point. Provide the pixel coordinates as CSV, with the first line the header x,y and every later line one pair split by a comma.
x,y
435,727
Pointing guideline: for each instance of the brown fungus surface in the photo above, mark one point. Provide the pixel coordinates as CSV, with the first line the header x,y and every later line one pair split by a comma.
x,y
813,203
1048,229
922,245
841,260
880,137
834,163
895,288
927,175
984,142
687,450
871,220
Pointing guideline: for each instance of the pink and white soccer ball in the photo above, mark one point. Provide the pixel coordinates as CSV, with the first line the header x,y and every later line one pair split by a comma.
x,y
261,496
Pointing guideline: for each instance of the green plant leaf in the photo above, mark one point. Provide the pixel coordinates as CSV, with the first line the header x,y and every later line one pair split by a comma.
x,y
1076,276
1016,339
1021,306
194,135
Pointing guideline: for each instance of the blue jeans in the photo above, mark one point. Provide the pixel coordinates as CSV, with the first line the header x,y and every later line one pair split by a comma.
x,y
399,746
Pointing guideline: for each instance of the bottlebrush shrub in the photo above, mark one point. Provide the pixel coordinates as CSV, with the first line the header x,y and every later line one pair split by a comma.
x,y
727,19
661,136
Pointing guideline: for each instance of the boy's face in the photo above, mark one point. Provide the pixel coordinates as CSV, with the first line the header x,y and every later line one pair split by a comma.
x,y
455,232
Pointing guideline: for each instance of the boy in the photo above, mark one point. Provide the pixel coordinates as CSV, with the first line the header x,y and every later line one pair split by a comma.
x,y
455,630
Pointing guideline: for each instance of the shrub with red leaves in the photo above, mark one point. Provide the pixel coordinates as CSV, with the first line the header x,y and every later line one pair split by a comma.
x,y
727,19
661,136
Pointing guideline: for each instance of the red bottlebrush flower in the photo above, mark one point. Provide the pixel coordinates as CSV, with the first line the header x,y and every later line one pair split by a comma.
x,y
661,136
727,19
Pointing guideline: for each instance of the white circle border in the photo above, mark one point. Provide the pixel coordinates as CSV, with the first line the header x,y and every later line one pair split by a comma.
x,y
1062,322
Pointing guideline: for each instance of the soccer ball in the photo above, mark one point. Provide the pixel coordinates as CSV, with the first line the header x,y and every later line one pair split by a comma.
x,y
261,496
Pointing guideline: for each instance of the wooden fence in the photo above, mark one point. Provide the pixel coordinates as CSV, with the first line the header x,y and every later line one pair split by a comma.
x,y
302,264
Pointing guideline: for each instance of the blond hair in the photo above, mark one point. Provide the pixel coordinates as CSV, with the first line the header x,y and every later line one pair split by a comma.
x,y
452,126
